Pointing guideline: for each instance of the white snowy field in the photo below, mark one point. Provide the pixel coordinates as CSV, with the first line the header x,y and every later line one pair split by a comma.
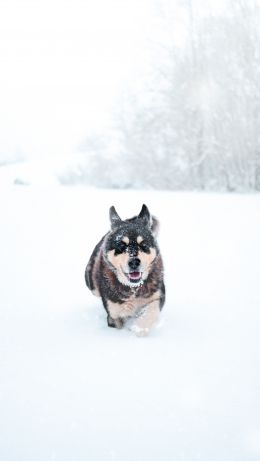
x,y
71,389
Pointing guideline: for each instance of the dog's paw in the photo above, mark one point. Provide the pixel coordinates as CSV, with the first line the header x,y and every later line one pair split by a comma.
x,y
115,323
139,331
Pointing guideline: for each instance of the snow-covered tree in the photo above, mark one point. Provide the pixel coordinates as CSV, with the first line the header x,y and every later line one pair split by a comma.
x,y
196,123
193,121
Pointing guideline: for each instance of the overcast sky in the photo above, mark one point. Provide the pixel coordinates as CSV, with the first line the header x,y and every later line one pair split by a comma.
x,y
63,63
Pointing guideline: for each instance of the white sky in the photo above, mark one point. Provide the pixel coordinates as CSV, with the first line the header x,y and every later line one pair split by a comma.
x,y
61,63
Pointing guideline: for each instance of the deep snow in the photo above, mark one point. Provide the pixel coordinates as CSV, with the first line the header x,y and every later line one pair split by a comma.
x,y
73,389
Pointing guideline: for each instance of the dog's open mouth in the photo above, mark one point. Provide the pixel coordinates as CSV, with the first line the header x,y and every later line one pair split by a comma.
x,y
134,277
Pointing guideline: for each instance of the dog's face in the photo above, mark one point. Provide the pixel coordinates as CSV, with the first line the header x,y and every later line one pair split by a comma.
x,y
131,247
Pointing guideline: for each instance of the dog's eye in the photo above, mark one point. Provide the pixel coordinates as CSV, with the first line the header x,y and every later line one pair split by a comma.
x,y
144,247
121,246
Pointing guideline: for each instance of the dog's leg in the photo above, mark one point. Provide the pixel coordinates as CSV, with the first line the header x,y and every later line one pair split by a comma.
x,y
115,323
118,313
147,318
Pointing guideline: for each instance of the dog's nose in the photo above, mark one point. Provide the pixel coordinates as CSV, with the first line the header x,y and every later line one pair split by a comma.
x,y
134,263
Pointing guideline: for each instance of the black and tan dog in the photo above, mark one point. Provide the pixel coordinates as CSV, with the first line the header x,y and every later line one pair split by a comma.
x,y
126,271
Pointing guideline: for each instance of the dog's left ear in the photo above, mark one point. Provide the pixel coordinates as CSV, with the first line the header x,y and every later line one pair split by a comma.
x,y
114,218
145,215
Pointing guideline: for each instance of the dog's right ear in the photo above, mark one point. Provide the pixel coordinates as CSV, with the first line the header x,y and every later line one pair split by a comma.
x,y
145,215
114,218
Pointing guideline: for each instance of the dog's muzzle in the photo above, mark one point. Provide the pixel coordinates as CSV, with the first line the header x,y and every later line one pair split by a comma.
x,y
134,274
134,264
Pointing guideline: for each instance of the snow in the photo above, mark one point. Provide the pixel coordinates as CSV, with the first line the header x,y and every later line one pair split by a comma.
x,y
73,389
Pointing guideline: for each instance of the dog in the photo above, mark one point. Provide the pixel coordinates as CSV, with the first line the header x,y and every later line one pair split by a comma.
x,y
126,271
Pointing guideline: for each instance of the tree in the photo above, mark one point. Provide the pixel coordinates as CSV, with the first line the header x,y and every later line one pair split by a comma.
x,y
195,124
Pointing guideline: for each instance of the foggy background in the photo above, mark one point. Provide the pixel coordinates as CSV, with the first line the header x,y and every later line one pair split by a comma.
x,y
124,102
132,94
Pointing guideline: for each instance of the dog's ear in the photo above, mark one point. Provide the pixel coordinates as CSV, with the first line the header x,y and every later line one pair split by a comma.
x,y
155,226
145,215
114,218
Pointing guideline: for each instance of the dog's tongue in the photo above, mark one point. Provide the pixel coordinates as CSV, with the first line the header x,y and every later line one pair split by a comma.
x,y
135,275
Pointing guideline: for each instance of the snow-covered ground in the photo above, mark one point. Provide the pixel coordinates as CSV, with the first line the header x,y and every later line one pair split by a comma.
x,y
72,389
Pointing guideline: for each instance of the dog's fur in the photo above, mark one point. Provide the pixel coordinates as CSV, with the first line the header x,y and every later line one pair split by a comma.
x,y
126,271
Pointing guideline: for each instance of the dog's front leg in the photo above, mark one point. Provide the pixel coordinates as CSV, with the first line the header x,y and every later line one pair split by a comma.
x,y
117,314
115,323
147,318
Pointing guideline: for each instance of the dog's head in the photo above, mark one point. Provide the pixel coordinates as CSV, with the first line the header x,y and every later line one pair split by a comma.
x,y
131,247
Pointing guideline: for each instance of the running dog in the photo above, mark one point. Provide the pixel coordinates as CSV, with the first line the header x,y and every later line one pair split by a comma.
x,y
126,271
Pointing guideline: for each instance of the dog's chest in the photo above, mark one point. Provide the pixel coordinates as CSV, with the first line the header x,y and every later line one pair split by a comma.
x,y
128,308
